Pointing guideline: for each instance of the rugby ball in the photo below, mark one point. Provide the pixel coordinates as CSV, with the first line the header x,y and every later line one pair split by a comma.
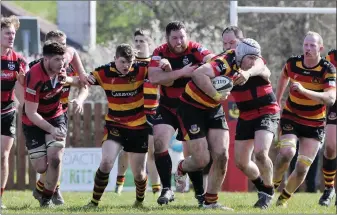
x,y
222,84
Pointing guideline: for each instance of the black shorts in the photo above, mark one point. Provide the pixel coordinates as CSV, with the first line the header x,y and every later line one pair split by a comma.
x,y
150,120
8,124
36,137
291,127
195,122
332,115
132,140
245,129
167,116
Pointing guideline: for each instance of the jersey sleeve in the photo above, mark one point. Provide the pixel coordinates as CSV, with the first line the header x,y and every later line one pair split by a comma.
x,y
200,52
98,74
221,66
330,76
156,57
32,88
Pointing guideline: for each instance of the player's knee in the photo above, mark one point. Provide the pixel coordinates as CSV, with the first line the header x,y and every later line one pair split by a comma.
x,y
221,160
54,161
330,150
159,145
41,168
4,158
202,161
106,164
241,163
287,154
287,148
261,156
140,175
303,164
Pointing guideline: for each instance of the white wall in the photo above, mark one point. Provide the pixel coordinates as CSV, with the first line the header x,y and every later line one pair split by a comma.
x,y
78,20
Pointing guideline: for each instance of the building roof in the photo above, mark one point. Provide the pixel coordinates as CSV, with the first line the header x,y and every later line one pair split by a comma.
x,y
8,8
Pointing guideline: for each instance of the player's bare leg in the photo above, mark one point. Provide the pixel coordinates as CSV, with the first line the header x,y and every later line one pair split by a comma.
x,y
151,167
162,134
138,167
110,151
262,142
6,145
329,166
123,163
218,140
307,152
286,152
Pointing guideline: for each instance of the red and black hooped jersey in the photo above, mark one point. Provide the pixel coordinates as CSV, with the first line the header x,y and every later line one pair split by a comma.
x,y
41,89
10,65
195,53
253,99
66,88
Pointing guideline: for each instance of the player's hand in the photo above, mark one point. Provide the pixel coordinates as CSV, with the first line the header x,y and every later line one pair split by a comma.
x,y
165,65
241,78
83,79
296,86
91,79
58,134
188,70
62,76
224,96
20,76
78,105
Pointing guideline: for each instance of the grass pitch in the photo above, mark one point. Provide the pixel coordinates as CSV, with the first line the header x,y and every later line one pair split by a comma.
x,y
22,202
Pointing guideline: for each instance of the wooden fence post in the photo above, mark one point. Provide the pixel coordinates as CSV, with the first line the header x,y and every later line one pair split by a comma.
x,y
87,121
99,117
21,154
76,128
11,161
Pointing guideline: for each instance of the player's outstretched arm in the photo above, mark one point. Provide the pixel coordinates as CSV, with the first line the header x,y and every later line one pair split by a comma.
x,y
19,93
78,101
158,76
77,63
282,84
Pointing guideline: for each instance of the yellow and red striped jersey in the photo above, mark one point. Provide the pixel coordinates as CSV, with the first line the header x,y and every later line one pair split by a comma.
x,y
125,94
300,108
151,92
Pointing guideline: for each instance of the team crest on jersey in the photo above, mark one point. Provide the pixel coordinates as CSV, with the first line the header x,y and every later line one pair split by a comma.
x,y
315,80
132,79
186,61
332,116
114,132
52,93
265,123
194,129
288,127
11,65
